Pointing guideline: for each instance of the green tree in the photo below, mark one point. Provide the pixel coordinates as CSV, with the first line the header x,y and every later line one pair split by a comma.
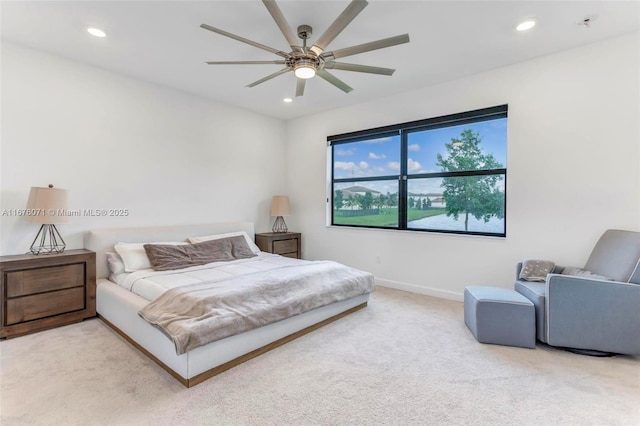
x,y
412,202
348,202
338,200
471,195
357,201
393,199
367,200
382,200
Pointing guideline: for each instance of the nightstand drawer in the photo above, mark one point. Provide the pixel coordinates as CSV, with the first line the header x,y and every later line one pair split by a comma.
x,y
43,305
39,280
285,246
282,243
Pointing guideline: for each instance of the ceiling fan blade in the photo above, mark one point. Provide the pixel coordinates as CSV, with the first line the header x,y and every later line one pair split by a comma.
x,y
325,75
331,65
245,62
366,47
300,87
347,15
269,77
244,40
277,16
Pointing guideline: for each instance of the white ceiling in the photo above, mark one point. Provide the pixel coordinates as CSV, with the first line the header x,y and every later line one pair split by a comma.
x,y
161,42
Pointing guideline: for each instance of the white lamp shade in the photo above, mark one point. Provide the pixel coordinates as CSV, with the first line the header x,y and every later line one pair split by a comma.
x,y
280,205
47,206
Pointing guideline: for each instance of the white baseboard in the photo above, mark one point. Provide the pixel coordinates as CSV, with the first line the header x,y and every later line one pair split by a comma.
x,y
429,291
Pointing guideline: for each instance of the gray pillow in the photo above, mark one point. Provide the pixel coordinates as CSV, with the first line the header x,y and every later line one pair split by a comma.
x,y
536,270
579,272
239,247
169,257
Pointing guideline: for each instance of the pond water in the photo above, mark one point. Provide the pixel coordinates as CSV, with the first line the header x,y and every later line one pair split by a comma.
x,y
447,223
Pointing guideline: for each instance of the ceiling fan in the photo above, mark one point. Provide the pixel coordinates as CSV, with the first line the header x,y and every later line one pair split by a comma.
x,y
306,61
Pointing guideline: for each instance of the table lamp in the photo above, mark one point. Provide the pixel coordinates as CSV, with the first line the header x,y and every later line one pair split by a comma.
x,y
280,207
47,206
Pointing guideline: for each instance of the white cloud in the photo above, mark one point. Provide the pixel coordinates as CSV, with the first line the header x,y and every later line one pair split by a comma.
x,y
414,147
345,152
344,165
426,186
374,156
350,166
414,166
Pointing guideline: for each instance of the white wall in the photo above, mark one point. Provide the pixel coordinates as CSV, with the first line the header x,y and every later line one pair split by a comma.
x,y
169,157
116,142
573,170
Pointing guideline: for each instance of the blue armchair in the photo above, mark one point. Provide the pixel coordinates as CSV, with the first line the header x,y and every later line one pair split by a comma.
x,y
592,314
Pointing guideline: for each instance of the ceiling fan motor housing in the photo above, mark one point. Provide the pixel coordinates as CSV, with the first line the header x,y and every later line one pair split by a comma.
x,y
306,59
304,31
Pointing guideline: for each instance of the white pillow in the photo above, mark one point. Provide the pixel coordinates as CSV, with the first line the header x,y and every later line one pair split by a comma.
x,y
116,265
254,248
135,257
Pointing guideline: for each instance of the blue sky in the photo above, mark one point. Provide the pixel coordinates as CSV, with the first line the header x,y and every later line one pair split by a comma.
x,y
381,157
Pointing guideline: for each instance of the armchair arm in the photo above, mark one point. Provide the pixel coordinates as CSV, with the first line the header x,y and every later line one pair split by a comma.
x,y
593,314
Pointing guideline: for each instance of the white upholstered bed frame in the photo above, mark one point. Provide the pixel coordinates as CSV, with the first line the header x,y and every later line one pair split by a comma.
x,y
119,308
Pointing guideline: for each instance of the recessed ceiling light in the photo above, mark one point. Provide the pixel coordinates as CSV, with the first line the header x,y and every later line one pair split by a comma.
x,y
287,100
96,32
526,25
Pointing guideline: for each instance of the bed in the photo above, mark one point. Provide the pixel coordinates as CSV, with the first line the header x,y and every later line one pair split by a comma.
x,y
119,307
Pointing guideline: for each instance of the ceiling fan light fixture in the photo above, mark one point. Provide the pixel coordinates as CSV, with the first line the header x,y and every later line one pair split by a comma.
x,y
304,68
305,72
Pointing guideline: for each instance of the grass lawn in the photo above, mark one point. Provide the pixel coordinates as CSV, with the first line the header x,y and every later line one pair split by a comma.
x,y
387,217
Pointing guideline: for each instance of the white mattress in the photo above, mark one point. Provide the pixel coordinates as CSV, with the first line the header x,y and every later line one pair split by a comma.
x,y
150,284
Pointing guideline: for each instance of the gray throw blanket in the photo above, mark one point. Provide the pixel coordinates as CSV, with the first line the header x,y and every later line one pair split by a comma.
x,y
198,314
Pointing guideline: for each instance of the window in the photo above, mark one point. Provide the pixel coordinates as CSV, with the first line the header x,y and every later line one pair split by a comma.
x,y
444,174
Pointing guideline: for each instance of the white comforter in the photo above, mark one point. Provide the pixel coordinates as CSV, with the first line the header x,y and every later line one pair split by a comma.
x,y
150,284
195,314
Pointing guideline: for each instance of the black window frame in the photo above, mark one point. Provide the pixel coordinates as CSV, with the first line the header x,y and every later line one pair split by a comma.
x,y
403,177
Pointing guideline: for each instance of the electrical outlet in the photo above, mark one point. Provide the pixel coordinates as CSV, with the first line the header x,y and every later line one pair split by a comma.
x,y
378,259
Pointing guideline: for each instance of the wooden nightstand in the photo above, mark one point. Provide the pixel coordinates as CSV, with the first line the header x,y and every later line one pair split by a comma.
x,y
282,243
45,291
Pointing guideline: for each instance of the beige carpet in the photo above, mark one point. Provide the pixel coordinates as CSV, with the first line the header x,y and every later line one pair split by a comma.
x,y
406,359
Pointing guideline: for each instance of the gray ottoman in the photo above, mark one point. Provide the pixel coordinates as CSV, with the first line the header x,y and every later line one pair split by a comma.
x,y
500,316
